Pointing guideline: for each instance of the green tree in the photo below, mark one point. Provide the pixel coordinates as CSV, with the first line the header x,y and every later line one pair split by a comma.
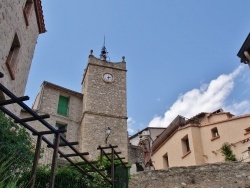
x,y
227,152
15,142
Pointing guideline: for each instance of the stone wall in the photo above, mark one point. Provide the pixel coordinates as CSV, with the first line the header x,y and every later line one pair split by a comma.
x,y
218,175
47,103
12,22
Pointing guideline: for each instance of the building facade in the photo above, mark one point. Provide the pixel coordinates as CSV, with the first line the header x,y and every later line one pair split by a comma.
x,y
199,140
87,115
20,24
140,148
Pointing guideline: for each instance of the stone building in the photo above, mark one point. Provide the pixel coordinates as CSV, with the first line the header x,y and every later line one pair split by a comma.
x,y
87,115
199,140
140,148
20,24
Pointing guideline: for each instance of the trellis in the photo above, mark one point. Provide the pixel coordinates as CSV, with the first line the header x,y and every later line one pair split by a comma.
x,y
55,146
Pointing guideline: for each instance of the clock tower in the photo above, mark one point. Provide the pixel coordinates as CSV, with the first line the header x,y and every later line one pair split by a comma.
x,y
104,105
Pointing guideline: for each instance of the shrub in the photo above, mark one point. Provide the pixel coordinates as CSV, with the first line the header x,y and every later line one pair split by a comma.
x,y
66,177
227,152
14,140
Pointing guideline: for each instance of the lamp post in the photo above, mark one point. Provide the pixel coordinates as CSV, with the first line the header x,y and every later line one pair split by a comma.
x,y
107,133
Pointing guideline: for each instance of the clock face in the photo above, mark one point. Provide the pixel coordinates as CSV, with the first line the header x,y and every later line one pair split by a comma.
x,y
108,77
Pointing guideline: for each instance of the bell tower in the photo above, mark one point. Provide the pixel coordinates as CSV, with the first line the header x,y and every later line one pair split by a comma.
x,y
104,105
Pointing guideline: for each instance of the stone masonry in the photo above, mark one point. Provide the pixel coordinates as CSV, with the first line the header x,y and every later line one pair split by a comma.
x,y
12,22
101,104
217,175
46,103
104,105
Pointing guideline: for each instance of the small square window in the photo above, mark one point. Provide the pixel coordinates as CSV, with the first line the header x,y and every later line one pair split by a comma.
x,y
27,11
215,132
11,61
185,145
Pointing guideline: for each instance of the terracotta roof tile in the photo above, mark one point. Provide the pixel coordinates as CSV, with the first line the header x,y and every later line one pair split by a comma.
x,y
39,15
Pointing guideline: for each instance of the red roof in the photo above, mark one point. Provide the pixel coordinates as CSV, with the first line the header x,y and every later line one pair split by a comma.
x,y
39,15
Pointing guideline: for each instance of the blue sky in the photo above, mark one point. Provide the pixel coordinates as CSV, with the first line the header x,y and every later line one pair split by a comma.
x,y
181,55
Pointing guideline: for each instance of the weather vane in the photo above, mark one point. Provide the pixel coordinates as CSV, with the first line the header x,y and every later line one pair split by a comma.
x,y
104,53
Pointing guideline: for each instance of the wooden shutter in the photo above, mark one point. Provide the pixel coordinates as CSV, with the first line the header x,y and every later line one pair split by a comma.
x,y
63,105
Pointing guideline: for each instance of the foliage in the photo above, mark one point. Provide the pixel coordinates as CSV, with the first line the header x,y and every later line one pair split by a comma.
x,y
14,140
8,179
67,177
70,177
227,152
16,152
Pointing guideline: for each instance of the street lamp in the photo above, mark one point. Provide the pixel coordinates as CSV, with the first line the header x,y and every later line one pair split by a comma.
x,y
107,133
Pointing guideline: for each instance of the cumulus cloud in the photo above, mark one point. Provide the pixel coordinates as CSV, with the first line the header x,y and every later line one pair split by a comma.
x,y
207,98
131,123
242,107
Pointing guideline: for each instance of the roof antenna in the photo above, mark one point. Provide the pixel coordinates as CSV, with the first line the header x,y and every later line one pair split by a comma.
x,y
104,53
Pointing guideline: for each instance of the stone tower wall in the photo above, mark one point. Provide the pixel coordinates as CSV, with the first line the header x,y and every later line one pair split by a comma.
x,y
12,22
104,105
103,97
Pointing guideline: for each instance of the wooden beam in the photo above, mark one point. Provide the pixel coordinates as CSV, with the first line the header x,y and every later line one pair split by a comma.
x,y
33,118
11,101
74,154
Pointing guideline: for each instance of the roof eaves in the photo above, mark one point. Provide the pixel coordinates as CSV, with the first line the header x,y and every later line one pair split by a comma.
x,y
231,119
46,83
39,15
173,126
139,132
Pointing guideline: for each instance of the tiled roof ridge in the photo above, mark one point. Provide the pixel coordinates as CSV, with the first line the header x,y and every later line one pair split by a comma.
x,y
225,120
39,15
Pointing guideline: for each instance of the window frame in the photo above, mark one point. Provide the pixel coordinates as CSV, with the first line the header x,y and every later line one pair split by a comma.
x,y
165,161
12,58
60,106
27,11
247,131
215,133
61,126
185,146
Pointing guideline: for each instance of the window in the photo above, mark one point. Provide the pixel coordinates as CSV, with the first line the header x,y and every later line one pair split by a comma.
x,y
165,161
247,130
185,146
215,133
63,104
11,61
27,10
61,127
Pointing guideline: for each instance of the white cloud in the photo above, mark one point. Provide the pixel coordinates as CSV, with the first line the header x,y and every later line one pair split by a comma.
x,y
242,107
207,98
131,123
